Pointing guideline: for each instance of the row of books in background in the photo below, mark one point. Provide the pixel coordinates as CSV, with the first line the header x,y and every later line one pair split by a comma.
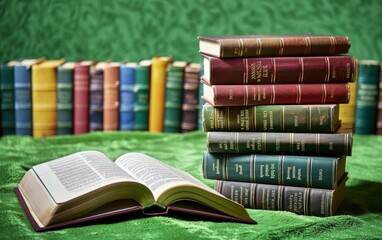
x,y
276,137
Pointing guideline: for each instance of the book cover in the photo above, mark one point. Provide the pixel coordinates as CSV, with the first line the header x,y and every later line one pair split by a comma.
x,y
142,95
44,98
279,70
96,97
190,106
273,45
65,98
7,87
367,97
111,96
289,170
81,82
317,144
126,96
157,93
300,200
276,94
322,118
173,96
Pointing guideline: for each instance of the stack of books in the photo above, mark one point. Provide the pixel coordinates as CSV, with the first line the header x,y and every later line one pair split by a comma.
x,y
274,137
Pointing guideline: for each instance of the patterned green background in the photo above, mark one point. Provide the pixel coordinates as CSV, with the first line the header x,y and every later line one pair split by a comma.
x,y
121,30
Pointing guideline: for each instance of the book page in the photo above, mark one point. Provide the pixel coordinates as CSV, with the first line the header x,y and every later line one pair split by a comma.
x,y
156,175
79,173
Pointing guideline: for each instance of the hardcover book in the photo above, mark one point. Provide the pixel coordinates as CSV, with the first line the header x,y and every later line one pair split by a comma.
x,y
379,108
317,144
190,106
279,70
300,200
322,118
276,94
367,97
126,96
142,95
44,98
65,98
272,45
289,170
7,89
88,185
157,93
174,96
111,96
96,97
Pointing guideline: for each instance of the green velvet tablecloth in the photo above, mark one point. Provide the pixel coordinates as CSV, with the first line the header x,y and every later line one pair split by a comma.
x,y
360,216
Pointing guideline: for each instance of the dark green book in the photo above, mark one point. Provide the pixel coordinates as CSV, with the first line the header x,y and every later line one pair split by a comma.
x,y
142,95
7,88
317,144
65,98
272,118
300,200
174,97
303,171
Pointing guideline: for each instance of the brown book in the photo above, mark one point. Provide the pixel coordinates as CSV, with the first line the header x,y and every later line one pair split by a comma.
x,y
272,45
88,186
272,94
111,97
279,70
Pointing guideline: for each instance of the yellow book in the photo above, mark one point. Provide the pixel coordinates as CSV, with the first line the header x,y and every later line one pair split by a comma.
x,y
157,93
44,94
347,111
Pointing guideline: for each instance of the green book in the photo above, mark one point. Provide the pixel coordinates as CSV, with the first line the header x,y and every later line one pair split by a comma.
x,y
142,95
303,171
174,97
65,98
272,118
7,88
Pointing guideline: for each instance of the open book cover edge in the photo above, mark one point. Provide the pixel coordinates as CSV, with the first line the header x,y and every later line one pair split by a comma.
x,y
139,211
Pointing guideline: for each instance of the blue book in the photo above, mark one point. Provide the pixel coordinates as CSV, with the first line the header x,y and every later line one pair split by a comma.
x,y
142,95
65,98
367,97
126,96
96,98
7,88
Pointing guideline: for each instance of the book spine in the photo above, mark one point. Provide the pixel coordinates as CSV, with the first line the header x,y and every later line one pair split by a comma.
x,y
157,93
202,101
126,98
96,100
367,97
64,101
7,100
111,98
347,111
141,98
285,46
281,70
300,200
272,118
379,108
329,144
303,171
81,80
23,100
173,99
273,94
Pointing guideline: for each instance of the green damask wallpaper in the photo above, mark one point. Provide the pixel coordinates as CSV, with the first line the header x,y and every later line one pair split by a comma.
x,y
121,30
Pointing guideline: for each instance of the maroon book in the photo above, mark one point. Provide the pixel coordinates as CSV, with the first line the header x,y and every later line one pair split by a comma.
x,y
271,94
279,70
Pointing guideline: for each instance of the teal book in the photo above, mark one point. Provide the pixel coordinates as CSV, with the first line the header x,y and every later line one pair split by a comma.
x,y
322,118
367,97
290,170
65,98
7,88
142,95
174,97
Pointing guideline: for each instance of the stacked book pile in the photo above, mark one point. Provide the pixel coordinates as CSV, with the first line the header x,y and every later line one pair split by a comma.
x,y
274,137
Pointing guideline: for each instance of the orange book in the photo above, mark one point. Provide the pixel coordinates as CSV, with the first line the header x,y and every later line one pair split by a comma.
x,y
44,95
111,96
157,93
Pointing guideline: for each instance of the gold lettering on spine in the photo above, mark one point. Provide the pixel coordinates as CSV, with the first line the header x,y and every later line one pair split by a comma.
x,y
258,52
282,44
327,75
301,74
246,73
273,73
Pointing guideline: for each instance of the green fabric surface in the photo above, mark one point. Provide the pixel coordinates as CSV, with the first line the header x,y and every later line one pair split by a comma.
x,y
360,216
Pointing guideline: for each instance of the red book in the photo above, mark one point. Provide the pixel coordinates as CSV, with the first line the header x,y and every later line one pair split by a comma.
x,y
81,80
279,70
270,94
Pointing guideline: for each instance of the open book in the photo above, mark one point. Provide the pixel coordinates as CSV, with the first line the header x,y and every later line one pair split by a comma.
x,y
88,185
